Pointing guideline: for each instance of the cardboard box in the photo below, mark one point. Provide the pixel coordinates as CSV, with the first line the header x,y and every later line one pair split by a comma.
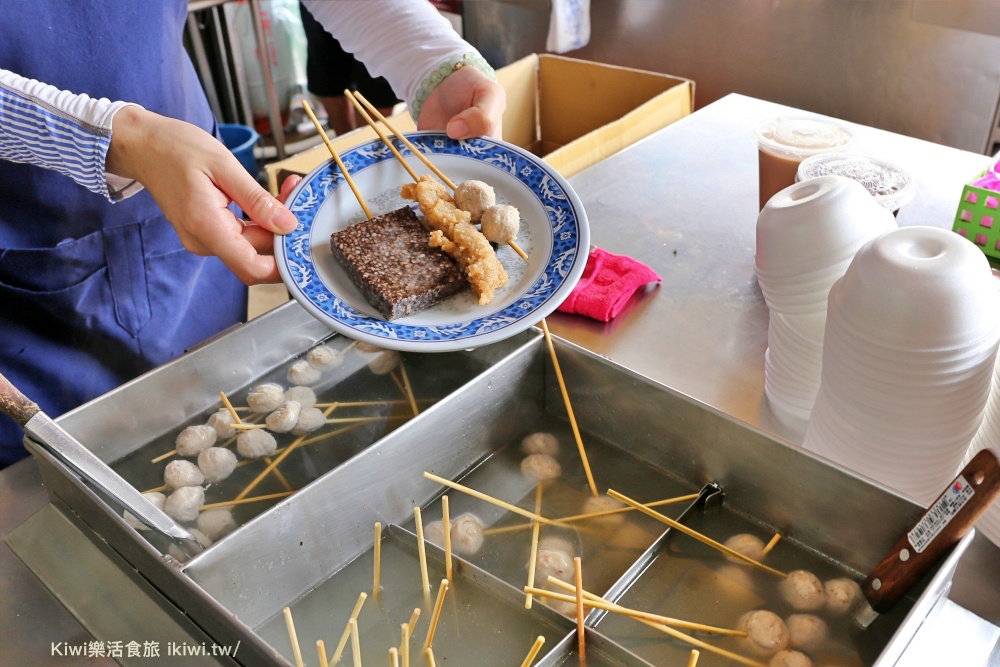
x,y
573,113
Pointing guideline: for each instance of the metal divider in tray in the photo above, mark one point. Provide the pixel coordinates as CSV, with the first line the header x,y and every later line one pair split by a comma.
x,y
313,550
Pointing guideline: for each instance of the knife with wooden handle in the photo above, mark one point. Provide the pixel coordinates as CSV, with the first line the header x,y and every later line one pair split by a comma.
x,y
945,522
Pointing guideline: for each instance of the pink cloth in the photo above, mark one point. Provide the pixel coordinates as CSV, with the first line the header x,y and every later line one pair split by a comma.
x,y
608,282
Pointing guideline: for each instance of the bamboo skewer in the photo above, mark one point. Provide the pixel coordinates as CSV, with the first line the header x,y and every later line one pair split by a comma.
x,y
355,642
436,615
770,545
321,652
581,638
533,553
693,660
425,583
404,644
535,648
292,637
376,586
336,158
487,498
592,515
704,539
569,408
408,388
244,501
347,629
414,617
381,135
393,657
429,655
446,527
238,424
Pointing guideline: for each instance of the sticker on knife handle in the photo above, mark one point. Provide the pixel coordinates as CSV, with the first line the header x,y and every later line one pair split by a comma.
x,y
940,513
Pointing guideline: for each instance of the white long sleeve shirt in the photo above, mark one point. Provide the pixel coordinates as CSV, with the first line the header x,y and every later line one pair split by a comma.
x,y
402,40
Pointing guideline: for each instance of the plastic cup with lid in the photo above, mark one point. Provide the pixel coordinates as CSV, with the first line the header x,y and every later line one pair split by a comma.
x,y
890,184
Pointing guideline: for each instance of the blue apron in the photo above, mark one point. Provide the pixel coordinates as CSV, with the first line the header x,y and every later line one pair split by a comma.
x,y
93,294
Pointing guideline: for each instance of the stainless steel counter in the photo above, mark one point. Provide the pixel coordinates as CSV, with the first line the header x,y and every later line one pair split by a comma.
x,y
685,202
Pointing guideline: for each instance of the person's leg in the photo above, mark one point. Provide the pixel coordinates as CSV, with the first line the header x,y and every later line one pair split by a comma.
x,y
329,70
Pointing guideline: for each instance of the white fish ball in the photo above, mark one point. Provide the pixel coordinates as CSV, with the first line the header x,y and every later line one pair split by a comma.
x,y
467,534
216,463
766,632
222,422
501,223
540,467
304,396
193,439
182,473
841,595
284,418
746,544
474,197
540,443
324,358
806,631
434,532
552,561
385,362
310,419
155,497
803,591
216,522
184,503
362,346
790,659
302,373
604,503
265,398
255,443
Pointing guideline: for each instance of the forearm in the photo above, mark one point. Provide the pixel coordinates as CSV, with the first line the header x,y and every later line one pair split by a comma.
x,y
59,130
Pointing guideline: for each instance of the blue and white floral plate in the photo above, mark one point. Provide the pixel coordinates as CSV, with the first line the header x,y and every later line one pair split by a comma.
x,y
554,234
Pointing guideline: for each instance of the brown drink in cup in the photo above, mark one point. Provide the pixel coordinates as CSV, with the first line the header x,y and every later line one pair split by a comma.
x,y
784,142
891,186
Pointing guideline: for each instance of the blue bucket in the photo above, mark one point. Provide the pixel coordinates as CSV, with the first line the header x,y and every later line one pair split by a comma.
x,y
241,140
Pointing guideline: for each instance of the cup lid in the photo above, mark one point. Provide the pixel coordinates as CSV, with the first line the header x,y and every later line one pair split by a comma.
x,y
797,137
891,186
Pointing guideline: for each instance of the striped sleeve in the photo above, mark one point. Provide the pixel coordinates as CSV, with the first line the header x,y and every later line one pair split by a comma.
x,y
58,130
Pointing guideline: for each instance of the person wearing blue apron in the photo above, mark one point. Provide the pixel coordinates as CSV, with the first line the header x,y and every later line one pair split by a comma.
x,y
94,293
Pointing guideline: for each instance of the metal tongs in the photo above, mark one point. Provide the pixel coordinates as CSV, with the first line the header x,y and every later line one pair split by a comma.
x,y
71,452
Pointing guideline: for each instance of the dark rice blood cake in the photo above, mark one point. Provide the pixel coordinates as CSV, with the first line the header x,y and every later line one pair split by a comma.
x,y
390,261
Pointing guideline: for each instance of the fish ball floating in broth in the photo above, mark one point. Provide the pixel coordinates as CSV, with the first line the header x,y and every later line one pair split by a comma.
x,y
265,398
540,467
554,559
434,532
222,422
324,358
304,396
310,419
155,497
194,439
841,595
540,443
803,591
216,523
501,224
184,503
604,503
467,534
790,659
284,418
766,632
216,464
806,631
475,197
302,373
385,362
182,473
255,443
750,546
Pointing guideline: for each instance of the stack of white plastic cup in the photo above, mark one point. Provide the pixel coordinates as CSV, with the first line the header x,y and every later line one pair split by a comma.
x,y
909,349
807,235
988,435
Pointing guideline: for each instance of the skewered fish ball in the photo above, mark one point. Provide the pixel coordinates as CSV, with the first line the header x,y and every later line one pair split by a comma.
x,y
841,595
750,546
604,503
385,362
540,467
155,497
766,632
362,346
182,473
310,419
467,534
806,631
265,398
501,223
184,503
284,418
554,559
803,591
216,523
216,464
474,197
434,532
790,659
324,358
302,373
304,396
193,439
222,422
540,443
255,443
